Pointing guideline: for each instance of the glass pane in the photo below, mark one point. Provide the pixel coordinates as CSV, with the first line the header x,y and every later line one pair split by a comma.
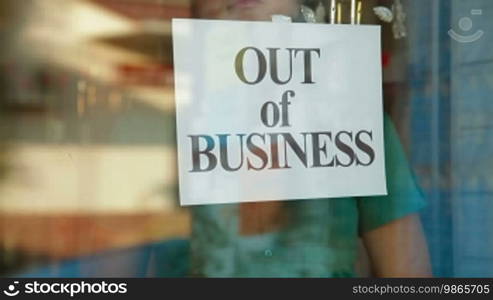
x,y
88,155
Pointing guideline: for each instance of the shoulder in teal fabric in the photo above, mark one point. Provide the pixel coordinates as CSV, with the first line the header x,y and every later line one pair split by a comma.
x,y
404,196
320,239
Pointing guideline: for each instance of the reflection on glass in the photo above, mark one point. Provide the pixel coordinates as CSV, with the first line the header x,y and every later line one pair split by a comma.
x,y
88,154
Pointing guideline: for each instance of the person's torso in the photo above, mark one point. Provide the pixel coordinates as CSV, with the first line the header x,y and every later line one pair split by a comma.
x,y
318,238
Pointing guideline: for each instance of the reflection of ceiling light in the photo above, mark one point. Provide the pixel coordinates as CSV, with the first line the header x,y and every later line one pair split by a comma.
x,y
66,39
80,19
77,38
89,21
148,9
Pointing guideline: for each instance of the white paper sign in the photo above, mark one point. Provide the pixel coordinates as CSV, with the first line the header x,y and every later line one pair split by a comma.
x,y
277,111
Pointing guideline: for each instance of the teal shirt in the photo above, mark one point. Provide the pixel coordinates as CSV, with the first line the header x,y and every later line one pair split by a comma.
x,y
321,238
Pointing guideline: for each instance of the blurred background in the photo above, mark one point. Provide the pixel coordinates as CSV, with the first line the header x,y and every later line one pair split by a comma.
x,y
88,183
87,153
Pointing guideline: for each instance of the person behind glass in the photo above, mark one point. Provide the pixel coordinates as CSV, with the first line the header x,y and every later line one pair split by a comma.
x,y
310,237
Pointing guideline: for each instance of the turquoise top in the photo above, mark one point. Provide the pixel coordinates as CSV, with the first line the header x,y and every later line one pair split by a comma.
x,y
321,239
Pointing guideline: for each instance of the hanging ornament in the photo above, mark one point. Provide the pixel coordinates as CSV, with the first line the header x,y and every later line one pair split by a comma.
x,y
396,15
399,26
320,14
384,14
308,14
